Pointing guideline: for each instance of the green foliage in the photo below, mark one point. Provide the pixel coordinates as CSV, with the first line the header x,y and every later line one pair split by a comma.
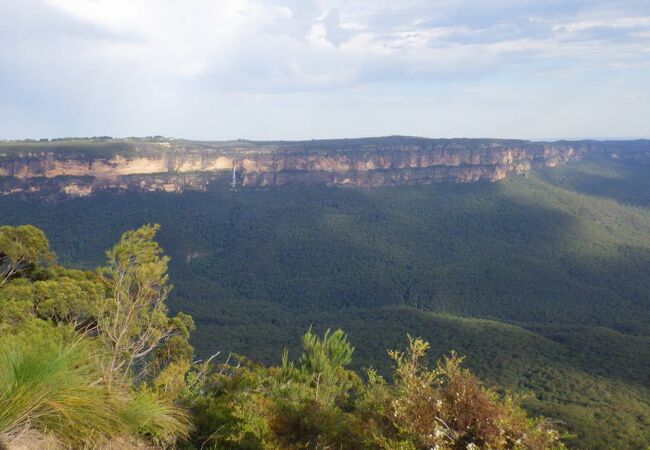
x,y
16,305
22,249
306,404
70,300
321,365
134,320
326,354
58,362
253,406
88,147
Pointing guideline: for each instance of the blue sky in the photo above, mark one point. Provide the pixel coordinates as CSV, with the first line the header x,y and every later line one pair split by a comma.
x,y
301,69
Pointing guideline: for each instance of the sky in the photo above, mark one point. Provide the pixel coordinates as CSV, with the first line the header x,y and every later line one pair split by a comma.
x,y
308,69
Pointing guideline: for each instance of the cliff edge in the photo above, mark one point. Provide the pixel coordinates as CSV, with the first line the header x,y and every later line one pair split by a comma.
x,y
79,168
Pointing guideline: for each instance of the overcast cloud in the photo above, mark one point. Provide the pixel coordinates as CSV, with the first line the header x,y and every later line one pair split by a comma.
x,y
268,69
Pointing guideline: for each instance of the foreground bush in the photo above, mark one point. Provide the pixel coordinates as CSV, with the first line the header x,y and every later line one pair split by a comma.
x,y
445,408
318,404
59,391
89,359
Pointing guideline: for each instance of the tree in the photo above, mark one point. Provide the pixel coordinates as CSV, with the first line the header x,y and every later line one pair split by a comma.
x,y
56,380
65,299
323,360
22,249
134,321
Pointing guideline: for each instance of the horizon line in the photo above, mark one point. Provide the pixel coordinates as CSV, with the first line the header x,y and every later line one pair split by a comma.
x,y
159,137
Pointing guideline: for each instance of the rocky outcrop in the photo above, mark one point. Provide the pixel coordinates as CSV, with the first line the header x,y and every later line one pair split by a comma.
x,y
182,165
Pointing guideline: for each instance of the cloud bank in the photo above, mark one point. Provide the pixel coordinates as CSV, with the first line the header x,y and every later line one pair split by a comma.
x,y
324,68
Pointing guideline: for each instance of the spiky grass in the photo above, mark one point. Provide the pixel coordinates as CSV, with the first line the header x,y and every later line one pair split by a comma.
x,y
156,419
56,391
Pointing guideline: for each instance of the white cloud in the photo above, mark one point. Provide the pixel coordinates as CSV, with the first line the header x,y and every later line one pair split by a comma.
x,y
142,66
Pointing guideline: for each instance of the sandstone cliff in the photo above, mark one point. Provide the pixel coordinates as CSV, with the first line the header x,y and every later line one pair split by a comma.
x,y
179,165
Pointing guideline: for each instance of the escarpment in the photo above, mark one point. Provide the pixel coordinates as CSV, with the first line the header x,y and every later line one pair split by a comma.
x,y
176,166
399,164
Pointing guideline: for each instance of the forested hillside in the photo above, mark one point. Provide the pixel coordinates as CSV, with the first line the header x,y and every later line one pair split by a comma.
x,y
543,282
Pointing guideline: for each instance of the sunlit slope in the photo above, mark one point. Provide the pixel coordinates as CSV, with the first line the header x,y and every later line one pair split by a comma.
x,y
624,181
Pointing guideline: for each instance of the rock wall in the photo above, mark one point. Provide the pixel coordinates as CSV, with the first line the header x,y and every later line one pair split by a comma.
x,y
408,164
74,186
364,162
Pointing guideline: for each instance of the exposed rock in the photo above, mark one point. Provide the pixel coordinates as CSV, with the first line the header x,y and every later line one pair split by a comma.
x,y
358,162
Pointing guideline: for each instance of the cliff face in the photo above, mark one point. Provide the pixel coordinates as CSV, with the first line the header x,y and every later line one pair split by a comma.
x,y
74,186
358,162
399,164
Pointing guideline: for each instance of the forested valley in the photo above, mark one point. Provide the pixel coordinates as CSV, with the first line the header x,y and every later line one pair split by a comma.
x,y
541,284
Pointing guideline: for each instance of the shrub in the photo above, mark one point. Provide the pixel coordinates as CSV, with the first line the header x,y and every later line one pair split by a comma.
x,y
55,390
